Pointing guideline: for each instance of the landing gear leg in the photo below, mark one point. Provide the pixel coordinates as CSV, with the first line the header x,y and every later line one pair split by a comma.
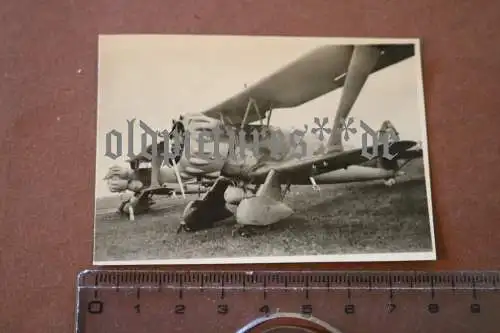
x,y
286,190
135,205
315,186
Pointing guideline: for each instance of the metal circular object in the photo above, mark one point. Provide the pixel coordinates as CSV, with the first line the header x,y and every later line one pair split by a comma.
x,y
288,323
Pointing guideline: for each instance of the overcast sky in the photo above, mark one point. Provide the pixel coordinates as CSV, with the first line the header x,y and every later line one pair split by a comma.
x,y
157,78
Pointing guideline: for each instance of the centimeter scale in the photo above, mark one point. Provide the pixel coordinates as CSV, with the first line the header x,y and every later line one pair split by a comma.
x,y
279,302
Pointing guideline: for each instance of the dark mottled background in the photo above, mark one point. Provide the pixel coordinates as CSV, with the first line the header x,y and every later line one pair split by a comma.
x,y
48,96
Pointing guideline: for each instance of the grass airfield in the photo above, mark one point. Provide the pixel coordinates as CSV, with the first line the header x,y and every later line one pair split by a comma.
x,y
353,218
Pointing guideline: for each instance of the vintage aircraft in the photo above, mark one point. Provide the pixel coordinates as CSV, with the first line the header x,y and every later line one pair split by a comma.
x,y
276,163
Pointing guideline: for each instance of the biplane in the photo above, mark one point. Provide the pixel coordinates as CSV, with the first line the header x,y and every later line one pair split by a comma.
x,y
252,188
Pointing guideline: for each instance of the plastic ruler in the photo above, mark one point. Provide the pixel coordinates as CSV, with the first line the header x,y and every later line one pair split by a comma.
x,y
265,301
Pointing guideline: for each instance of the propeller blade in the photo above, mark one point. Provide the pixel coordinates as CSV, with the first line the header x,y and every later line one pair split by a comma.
x,y
179,179
363,61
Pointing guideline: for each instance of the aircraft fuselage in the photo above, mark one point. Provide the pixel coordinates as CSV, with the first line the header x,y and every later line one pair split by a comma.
x,y
255,144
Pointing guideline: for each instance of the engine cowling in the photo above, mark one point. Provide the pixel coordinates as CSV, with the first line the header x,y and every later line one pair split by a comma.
x,y
117,185
120,179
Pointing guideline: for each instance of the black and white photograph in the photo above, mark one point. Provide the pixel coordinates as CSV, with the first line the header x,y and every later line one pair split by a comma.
x,y
217,149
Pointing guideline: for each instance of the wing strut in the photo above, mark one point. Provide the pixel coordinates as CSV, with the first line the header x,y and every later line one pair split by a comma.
x,y
251,103
179,179
223,121
363,61
269,116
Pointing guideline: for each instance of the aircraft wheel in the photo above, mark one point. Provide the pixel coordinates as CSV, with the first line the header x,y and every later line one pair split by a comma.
x,y
196,216
200,214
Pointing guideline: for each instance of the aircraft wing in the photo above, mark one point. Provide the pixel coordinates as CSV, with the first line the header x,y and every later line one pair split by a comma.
x,y
305,168
305,79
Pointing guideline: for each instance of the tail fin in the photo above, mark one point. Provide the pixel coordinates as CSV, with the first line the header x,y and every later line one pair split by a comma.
x,y
389,130
363,60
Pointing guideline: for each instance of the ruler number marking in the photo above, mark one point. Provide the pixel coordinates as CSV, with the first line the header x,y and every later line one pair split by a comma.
x,y
306,309
95,307
180,309
265,309
475,308
349,309
433,308
222,309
